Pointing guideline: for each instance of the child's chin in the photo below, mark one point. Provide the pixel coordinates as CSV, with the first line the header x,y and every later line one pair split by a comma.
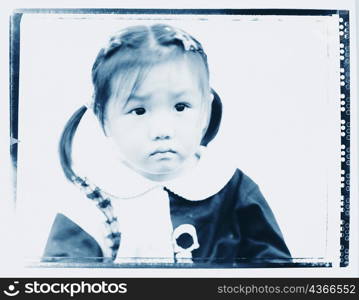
x,y
162,175
165,168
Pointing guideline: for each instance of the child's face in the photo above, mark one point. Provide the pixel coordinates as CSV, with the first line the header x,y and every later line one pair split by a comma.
x,y
160,127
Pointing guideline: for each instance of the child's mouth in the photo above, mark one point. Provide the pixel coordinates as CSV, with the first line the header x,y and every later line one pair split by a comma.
x,y
163,153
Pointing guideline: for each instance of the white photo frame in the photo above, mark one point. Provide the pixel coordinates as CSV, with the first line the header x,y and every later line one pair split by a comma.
x,y
301,73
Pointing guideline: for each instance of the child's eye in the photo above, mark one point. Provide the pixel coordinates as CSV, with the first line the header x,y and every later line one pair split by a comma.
x,y
182,106
138,111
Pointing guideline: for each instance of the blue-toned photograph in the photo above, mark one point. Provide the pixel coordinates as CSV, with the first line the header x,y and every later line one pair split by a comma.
x,y
180,140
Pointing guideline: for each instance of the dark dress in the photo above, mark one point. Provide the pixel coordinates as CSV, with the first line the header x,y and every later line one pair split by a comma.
x,y
235,226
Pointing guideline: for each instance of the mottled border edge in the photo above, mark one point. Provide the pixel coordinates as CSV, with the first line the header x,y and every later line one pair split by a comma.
x,y
181,11
245,264
345,134
14,72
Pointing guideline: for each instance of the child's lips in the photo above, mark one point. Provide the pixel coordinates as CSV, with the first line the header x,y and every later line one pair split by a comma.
x,y
163,152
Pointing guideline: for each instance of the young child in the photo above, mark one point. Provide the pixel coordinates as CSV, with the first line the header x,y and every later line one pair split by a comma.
x,y
167,198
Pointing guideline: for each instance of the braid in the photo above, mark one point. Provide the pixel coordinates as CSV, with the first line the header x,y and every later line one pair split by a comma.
x,y
92,192
65,145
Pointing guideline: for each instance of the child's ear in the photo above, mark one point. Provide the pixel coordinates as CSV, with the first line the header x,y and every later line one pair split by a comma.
x,y
105,129
211,97
210,101
215,116
209,111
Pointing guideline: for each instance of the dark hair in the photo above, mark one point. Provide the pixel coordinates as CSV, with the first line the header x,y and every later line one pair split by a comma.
x,y
128,56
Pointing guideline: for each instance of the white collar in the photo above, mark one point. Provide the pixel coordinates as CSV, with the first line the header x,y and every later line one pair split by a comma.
x,y
94,158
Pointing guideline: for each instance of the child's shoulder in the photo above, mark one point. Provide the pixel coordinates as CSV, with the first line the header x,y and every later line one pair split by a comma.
x,y
243,182
78,218
67,240
247,198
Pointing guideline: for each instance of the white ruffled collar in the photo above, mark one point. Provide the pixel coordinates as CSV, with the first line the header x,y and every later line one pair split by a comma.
x,y
94,159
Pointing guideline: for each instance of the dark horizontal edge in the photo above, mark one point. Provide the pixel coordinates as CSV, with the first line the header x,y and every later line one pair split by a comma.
x,y
222,11
178,265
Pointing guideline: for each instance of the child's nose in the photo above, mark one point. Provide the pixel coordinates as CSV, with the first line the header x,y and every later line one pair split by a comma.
x,y
161,129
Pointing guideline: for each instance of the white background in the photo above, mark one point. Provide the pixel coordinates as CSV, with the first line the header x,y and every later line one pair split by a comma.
x,y
272,77
272,74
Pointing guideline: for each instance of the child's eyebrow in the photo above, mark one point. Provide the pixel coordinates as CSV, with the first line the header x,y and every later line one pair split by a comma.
x,y
137,98
176,94
142,98
181,93
134,98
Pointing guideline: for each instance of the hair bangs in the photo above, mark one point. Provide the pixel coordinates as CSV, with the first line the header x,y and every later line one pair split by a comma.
x,y
120,68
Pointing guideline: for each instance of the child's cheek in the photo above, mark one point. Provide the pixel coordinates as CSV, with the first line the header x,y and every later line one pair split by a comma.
x,y
129,123
191,135
121,130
